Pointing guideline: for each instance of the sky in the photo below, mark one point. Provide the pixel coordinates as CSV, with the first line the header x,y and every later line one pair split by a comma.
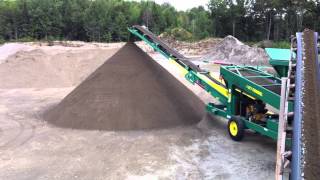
x,y
184,4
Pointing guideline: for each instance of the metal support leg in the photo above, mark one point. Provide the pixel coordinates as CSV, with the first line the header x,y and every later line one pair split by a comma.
x,y
281,132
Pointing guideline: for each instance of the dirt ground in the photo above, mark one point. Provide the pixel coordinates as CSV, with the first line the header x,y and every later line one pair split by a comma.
x,y
30,148
50,66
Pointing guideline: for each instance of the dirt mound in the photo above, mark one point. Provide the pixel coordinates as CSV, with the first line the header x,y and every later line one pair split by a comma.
x,y
8,49
231,50
129,91
198,48
45,67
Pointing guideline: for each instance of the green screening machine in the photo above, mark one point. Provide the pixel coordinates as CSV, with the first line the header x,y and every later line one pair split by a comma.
x,y
279,59
249,98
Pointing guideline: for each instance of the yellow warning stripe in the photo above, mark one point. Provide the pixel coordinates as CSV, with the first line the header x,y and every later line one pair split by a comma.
x,y
217,77
182,70
222,90
245,94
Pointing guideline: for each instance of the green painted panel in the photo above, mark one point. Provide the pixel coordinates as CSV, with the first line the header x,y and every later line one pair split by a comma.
x,y
251,88
272,124
279,59
211,108
261,130
278,54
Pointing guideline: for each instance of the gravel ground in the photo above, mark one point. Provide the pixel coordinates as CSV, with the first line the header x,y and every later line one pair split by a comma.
x,y
32,149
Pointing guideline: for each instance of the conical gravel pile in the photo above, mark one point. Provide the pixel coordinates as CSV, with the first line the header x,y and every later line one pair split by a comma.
x,y
231,50
129,91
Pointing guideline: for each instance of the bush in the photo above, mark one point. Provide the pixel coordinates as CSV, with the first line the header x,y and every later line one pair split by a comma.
x,y
2,40
269,44
25,39
281,44
181,34
50,40
251,43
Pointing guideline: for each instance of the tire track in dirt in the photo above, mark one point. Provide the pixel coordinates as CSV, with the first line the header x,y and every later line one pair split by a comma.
x,y
16,135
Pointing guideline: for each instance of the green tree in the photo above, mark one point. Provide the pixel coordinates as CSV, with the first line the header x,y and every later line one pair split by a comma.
x,y
107,20
200,22
9,20
121,27
218,11
46,18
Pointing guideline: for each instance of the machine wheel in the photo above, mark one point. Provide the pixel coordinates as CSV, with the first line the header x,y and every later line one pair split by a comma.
x,y
236,128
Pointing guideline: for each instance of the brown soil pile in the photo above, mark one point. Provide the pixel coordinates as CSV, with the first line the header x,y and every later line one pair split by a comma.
x,y
44,67
201,47
311,111
129,91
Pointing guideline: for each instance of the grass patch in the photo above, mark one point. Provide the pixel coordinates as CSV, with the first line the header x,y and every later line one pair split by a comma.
x,y
274,44
281,44
2,41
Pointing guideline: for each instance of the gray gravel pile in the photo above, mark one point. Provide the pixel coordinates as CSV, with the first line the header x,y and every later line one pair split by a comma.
x,y
231,50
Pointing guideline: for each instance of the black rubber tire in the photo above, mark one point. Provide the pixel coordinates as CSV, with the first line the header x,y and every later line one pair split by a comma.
x,y
238,136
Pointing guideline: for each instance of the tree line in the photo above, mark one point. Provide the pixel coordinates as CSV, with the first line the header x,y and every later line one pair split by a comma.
x,y
107,20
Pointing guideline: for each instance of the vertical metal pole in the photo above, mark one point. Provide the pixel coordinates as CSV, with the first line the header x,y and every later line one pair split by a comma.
x,y
281,131
317,54
296,139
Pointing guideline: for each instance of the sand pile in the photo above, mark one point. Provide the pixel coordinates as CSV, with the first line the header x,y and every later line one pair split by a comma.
x,y
129,91
9,49
231,50
45,67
